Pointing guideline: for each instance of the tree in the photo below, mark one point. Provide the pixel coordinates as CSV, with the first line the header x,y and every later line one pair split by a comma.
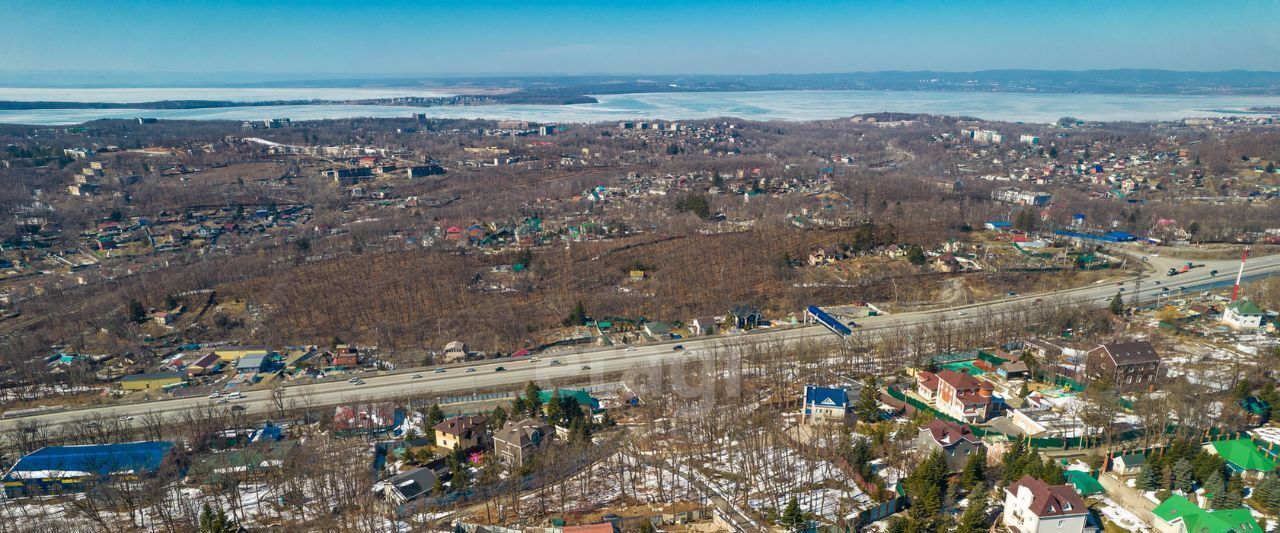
x,y
216,521
915,254
1232,497
136,312
1117,305
532,403
1183,476
793,518
1149,478
868,408
975,470
499,417
1268,493
434,415
974,519
555,408
578,317
926,486
696,204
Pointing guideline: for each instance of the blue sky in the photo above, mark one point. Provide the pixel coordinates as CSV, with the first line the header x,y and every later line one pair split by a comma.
x,y
646,36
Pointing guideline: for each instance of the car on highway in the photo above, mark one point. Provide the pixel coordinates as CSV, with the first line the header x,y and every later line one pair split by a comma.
x,y
1157,282
238,408
353,380
360,382
586,367
500,369
215,395
439,370
631,348
416,376
534,359
555,362
1164,289
224,400
471,369
235,395
962,313
677,347
1213,273
126,418
1121,289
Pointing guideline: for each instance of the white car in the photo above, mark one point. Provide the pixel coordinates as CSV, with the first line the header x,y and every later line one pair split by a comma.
x,y
631,348
126,418
215,394
472,369
534,359
353,380
235,396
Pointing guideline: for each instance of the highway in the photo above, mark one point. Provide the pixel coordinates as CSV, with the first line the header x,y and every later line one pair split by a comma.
x,y
593,364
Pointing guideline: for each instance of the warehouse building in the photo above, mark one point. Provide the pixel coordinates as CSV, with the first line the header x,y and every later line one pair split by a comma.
x,y
64,469
151,381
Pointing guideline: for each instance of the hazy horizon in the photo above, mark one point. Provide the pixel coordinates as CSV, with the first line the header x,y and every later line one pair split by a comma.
x,y
61,40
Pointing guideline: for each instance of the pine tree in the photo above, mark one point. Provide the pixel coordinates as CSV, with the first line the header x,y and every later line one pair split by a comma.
x,y
555,408
1215,485
216,521
868,407
1117,305
975,470
434,415
498,416
1232,497
793,518
532,403
1183,476
926,486
1268,493
974,519
1149,478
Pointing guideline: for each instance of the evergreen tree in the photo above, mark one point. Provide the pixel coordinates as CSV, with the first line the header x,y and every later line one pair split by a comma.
x,y
1149,478
793,518
1215,485
216,521
868,408
975,470
1183,476
926,486
434,415
974,519
532,403
555,408
1268,493
1117,305
1232,497
499,417
136,312
915,254
897,525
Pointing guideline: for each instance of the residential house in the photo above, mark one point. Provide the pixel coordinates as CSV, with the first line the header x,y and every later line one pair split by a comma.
x,y
344,356
1244,457
1176,514
745,316
461,432
1130,366
947,263
704,325
407,486
956,441
517,441
1129,464
825,405
455,352
1033,506
657,330
1243,314
1013,370
963,397
365,417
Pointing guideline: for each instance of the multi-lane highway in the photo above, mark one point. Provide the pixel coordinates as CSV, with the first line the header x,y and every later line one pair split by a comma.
x,y
597,363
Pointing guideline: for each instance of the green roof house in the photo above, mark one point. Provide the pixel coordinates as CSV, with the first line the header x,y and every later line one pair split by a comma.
x,y
1243,457
1243,314
1180,515
581,396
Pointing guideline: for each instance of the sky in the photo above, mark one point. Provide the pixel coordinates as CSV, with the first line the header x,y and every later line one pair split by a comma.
x,y
296,39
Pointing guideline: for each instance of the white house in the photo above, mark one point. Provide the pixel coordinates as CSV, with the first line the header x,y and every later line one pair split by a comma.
x,y
1243,314
1033,506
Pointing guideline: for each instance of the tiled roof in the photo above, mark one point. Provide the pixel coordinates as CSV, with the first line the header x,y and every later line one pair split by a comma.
x,y
1050,500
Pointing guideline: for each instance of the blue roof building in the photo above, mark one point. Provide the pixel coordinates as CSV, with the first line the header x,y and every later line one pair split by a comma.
x,y
62,469
823,404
